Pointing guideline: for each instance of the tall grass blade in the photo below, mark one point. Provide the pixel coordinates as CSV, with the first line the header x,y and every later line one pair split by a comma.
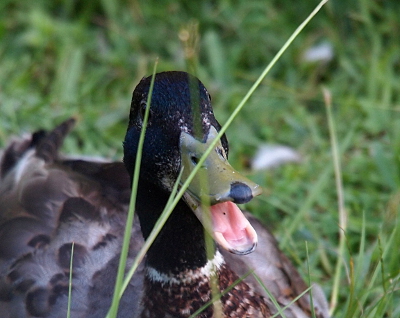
x,y
129,220
340,194
309,283
352,302
70,281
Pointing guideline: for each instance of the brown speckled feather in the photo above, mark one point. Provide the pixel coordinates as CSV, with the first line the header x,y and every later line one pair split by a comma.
x,y
182,300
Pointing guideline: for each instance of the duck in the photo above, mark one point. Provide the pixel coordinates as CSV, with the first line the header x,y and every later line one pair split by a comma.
x,y
51,203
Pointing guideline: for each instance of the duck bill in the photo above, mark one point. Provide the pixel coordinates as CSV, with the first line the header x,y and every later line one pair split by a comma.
x,y
213,192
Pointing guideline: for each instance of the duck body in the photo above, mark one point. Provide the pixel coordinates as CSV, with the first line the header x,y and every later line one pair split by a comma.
x,y
48,202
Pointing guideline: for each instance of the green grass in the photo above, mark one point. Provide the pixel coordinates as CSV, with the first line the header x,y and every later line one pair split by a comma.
x,y
61,59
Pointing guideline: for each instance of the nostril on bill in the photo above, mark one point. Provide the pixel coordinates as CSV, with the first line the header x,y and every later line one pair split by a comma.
x,y
240,193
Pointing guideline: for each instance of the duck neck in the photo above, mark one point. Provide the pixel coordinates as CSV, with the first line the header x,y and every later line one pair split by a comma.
x,y
180,246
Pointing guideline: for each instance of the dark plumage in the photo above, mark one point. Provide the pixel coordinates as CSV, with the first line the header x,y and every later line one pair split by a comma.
x,y
48,201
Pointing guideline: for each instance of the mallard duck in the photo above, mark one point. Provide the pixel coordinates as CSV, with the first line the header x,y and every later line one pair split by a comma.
x,y
48,201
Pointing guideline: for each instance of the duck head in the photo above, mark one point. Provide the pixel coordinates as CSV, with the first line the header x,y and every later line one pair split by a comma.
x,y
180,128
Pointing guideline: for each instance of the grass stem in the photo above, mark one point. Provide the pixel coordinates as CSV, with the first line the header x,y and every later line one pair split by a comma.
x,y
340,197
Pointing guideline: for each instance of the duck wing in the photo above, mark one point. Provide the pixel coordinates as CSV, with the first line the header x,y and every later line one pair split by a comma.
x,y
50,205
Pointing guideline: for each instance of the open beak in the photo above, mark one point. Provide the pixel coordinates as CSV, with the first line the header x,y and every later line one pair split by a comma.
x,y
213,192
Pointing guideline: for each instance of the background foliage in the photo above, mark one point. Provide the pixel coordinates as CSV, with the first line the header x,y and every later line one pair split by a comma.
x,y
83,59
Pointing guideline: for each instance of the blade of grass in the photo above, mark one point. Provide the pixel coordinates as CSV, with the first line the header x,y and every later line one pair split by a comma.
x,y
70,281
129,220
352,301
340,195
384,284
309,283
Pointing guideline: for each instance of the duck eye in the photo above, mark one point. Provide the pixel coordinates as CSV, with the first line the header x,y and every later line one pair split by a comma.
x,y
221,153
142,109
194,160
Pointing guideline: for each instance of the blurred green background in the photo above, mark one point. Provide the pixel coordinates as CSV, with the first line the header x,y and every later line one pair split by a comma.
x,y
83,58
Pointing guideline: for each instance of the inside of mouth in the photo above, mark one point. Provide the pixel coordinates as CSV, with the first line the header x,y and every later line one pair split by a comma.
x,y
231,229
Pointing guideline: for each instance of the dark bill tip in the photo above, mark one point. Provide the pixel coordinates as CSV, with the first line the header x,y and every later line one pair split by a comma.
x,y
240,193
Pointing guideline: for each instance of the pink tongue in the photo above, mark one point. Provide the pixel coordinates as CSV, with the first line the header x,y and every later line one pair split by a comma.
x,y
231,228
